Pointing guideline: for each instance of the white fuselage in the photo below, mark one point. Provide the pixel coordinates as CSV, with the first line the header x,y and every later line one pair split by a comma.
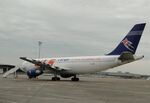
x,y
79,65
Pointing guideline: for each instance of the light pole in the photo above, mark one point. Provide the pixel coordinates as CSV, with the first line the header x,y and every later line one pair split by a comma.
x,y
39,44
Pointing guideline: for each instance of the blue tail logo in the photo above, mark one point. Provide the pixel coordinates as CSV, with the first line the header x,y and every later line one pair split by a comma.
x,y
130,41
128,44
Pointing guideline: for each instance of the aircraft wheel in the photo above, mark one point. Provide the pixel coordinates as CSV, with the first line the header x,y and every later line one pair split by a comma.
x,y
55,78
75,79
29,77
58,78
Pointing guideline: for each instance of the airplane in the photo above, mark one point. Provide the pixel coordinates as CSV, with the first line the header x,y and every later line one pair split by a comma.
x,y
67,67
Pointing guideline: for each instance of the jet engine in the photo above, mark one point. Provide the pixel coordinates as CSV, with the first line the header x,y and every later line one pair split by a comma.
x,y
33,73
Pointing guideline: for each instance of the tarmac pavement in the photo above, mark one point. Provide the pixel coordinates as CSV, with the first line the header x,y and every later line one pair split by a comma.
x,y
90,89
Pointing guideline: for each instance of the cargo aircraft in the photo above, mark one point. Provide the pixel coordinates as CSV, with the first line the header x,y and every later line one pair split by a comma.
x,y
66,67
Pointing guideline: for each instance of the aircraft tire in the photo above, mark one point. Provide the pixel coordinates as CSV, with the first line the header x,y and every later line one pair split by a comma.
x,y
58,78
55,78
75,79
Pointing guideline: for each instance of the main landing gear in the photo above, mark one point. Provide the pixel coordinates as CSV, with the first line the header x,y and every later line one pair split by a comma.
x,y
55,78
75,78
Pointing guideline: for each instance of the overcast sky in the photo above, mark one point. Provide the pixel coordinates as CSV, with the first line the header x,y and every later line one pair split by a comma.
x,y
71,28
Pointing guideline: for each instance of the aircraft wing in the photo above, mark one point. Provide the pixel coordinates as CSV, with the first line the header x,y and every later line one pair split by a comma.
x,y
36,62
42,65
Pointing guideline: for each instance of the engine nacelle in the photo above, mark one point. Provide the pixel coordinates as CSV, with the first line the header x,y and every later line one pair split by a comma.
x,y
33,73
66,75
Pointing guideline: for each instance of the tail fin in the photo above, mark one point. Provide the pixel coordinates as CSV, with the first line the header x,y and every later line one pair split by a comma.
x,y
131,40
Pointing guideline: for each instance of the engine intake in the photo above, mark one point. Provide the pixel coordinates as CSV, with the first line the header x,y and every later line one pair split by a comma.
x,y
33,73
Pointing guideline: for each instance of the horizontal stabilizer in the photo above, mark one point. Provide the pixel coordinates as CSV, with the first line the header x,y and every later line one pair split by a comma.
x,y
129,57
126,56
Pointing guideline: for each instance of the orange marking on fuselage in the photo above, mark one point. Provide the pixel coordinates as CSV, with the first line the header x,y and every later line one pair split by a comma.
x,y
51,62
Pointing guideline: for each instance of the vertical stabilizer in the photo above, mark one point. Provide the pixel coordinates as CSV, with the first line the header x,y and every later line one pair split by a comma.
x,y
131,40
